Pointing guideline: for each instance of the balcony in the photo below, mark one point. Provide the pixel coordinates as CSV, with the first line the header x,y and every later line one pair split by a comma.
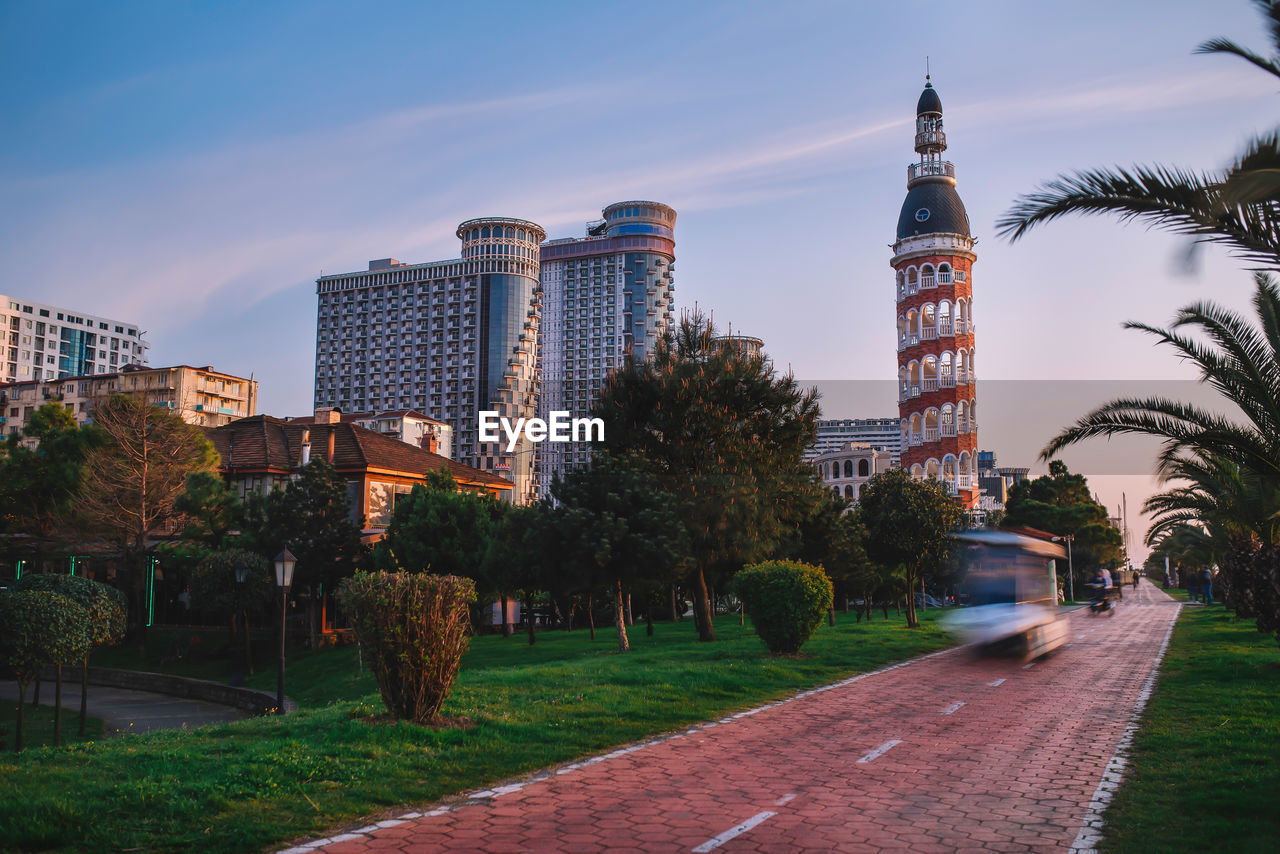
x,y
928,282
945,168
930,383
929,333
944,328
915,391
944,277
931,434
948,431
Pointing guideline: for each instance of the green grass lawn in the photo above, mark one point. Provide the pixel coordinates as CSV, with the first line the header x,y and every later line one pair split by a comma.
x,y
250,784
1205,765
37,724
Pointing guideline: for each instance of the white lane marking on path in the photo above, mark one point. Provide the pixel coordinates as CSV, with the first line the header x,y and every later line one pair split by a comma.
x,y
996,684
879,751
716,841
1028,666
785,799
952,709
1090,834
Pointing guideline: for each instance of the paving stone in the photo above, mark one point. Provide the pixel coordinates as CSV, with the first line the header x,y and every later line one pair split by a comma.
x,y
1013,770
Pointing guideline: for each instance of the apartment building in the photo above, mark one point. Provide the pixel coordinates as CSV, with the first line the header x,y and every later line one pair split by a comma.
x,y
201,396
44,342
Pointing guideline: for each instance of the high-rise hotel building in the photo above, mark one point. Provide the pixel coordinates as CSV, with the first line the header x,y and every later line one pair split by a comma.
x,y
46,342
447,338
605,296
933,268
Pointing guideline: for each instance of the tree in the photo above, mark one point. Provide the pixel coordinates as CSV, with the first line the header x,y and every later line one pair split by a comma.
x,y
523,547
833,536
216,592
1238,207
909,523
619,524
725,436
107,617
1060,503
312,518
438,528
39,628
37,485
211,509
132,481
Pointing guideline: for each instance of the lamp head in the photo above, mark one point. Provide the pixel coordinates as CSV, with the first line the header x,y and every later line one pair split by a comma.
x,y
285,562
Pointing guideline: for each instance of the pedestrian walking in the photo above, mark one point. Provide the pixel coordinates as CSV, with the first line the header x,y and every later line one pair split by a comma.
x,y
1206,585
1136,576
1193,586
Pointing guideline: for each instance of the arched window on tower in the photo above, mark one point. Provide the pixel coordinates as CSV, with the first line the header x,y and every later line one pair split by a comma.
x,y
962,418
912,282
949,472
931,469
864,468
848,468
902,285
948,420
946,371
965,473
927,279
917,473
928,322
848,491
944,319
931,425
930,373
917,436
903,389
944,274
913,372
913,327
902,332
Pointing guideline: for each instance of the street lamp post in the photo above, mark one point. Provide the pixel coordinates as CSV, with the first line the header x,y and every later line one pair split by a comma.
x,y
285,562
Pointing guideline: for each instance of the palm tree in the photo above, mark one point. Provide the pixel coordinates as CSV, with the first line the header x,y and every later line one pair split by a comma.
x,y
1238,207
1242,362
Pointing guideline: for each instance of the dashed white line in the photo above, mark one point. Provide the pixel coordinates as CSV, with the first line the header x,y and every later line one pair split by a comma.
x,y
996,684
952,709
785,799
879,751
716,841
1028,666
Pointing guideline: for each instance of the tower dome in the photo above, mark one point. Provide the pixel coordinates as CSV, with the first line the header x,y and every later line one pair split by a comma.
x,y
929,101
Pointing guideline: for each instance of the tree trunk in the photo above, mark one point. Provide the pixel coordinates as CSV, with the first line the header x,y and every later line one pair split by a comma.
x,y
84,694
57,705
630,620
591,614
528,616
675,613
17,733
35,700
507,629
912,622
702,607
620,617
648,617
831,613
248,650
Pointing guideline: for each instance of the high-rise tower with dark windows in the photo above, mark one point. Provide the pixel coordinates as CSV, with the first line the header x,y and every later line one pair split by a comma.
x,y
447,338
605,296
933,268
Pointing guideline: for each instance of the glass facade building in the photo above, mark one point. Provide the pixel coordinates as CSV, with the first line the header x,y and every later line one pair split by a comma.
x,y
605,297
447,338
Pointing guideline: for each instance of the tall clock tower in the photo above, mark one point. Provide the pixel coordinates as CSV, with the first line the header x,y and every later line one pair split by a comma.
x,y
933,270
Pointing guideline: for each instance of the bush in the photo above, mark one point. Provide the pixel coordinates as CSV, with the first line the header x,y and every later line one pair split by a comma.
x,y
785,600
413,630
106,606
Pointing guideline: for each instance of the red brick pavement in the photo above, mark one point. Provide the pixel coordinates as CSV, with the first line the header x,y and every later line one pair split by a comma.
x,y
944,754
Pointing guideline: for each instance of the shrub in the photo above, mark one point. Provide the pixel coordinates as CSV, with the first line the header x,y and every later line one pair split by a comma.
x,y
106,606
785,600
413,630
39,627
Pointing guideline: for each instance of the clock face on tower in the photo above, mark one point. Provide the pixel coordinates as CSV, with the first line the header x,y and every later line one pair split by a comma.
x,y
922,214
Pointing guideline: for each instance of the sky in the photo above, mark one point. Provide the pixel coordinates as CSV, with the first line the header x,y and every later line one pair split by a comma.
x,y
193,167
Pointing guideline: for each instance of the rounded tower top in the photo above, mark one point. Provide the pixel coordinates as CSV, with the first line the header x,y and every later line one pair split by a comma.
x,y
929,101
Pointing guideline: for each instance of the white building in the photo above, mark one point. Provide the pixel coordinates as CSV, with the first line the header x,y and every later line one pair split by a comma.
x,y
882,433
445,338
606,296
845,470
46,342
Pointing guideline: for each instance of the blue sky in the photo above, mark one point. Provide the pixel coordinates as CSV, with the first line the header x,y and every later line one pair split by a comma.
x,y
194,166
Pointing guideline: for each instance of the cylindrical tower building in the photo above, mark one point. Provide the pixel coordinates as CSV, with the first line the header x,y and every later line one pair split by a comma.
x,y
933,267
502,254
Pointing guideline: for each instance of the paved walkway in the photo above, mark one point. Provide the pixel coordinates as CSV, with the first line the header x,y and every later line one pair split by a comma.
x,y
943,754
125,711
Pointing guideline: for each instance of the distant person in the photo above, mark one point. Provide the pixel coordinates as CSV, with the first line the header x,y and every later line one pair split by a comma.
x,y
1136,575
1206,586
